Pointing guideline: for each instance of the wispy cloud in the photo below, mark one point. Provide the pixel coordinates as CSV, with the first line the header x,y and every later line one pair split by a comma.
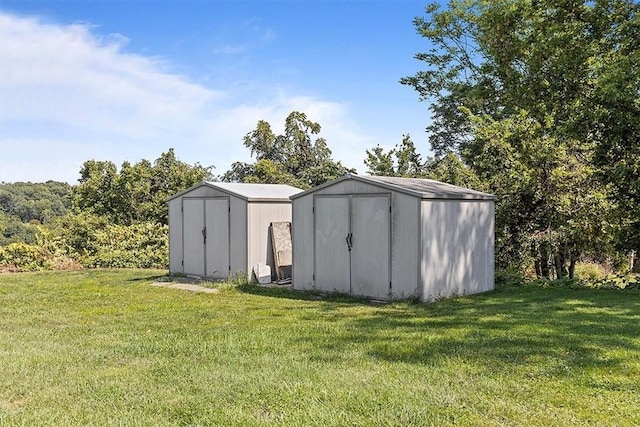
x,y
69,95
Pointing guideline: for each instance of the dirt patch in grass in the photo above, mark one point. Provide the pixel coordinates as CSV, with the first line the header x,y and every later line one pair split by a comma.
x,y
184,283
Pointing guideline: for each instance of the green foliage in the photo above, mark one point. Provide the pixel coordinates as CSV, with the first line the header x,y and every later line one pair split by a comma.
x,y
264,171
22,256
402,161
450,169
293,158
143,245
405,161
47,253
588,275
35,201
541,101
87,240
590,271
509,277
137,193
15,231
79,232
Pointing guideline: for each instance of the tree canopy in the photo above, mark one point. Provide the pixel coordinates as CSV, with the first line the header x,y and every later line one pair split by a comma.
x,y
35,201
541,101
297,157
135,193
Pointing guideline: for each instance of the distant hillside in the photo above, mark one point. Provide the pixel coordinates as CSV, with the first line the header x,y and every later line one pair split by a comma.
x,y
35,201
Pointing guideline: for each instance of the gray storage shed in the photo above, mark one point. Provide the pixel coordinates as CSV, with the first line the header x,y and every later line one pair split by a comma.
x,y
391,238
218,229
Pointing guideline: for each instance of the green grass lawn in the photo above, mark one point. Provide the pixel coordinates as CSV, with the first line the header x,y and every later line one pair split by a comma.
x,y
106,348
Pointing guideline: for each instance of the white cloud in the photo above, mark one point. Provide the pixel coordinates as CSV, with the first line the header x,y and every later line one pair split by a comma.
x,y
69,95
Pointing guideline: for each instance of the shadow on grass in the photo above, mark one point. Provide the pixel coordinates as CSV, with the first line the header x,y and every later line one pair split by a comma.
x,y
552,331
288,293
151,278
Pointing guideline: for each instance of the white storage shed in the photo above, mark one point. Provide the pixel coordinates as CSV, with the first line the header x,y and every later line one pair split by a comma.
x,y
392,238
218,229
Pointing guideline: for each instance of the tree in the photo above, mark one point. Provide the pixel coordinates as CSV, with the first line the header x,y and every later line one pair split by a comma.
x,y
616,110
518,93
136,193
293,158
39,202
170,175
450,169
403,160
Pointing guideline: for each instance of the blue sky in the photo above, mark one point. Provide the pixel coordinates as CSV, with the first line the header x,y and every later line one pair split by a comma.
x,y
127,80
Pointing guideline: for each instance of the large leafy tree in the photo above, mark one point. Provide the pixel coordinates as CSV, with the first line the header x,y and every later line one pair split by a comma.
x,y
297,157
135,193
404,161
537,98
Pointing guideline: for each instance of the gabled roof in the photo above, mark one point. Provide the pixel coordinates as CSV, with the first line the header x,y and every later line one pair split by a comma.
x,y
249,192
419,187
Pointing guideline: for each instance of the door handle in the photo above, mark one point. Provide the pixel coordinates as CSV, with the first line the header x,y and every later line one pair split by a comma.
x,y
204,235
349,241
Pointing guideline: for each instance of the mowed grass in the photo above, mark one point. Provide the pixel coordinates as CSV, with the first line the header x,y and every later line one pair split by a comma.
x,y
106,348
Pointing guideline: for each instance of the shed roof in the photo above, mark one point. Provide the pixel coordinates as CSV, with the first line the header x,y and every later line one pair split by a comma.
x,y
249,192
419,187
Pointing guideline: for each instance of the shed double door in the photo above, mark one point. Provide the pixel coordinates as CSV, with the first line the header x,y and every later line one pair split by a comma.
x,y
205,231
352,244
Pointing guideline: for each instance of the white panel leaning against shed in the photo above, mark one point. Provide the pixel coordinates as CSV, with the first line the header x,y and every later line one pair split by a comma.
x,y
393,238
221,229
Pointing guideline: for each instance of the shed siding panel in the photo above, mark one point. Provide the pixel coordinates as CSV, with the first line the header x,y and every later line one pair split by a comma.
x,y
303,242
192,238
457,248
405,241
175,236
370,241
332,256
261,215
205,192
238,241
351,187
217,232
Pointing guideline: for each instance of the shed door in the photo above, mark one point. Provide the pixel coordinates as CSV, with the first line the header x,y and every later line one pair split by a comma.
x,y
352,244
217,232
332,263
205,231
370,228
193,245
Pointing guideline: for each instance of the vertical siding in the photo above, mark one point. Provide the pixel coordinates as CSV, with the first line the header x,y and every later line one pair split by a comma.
x,y
303,229
249,224
405,237
303,247
175,235
260,217
238,232
405,240
457,247
351,187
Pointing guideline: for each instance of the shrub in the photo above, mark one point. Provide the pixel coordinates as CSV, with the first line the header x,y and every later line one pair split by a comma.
x,y
142,245
22,256
509,277
17,232
590,271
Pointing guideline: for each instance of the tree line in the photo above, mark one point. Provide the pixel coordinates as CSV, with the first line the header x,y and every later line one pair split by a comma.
x,y
537,102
